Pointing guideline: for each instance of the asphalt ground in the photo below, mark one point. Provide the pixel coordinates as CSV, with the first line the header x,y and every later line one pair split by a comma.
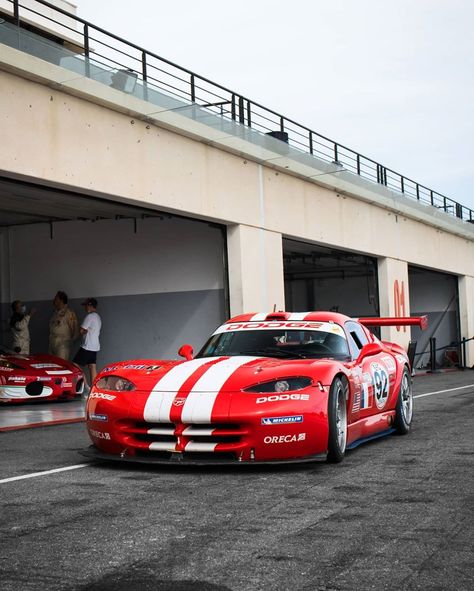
x,y
398,513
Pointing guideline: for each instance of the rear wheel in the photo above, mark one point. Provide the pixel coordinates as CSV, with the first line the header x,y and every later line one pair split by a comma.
x,y
337,416
404,408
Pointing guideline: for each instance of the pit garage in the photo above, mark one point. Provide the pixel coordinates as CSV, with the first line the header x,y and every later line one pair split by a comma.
x,y
436,295
322,278
160,280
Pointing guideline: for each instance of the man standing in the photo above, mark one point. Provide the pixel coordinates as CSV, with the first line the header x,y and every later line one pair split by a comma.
x,y
90,330
63,327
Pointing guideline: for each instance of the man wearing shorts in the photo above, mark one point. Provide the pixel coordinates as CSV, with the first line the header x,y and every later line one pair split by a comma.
x,y
90,330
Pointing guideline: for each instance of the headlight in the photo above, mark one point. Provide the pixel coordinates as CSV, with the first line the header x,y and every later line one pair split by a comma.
x,y
282,385
8,365
115,384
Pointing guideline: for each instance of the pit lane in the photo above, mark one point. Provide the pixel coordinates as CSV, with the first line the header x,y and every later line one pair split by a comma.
x,y
398,513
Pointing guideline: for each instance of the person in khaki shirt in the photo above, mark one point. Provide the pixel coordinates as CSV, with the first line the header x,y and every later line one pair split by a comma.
x,y
63,327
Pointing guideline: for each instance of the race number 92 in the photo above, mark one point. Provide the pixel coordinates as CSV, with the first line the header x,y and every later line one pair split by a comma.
x,y
381,382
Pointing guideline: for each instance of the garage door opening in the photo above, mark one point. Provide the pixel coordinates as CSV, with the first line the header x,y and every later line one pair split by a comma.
x,y
436,295
322,278
160,279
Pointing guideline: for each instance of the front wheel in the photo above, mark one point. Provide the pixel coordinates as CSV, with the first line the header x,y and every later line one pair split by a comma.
x,y
404,408
337,416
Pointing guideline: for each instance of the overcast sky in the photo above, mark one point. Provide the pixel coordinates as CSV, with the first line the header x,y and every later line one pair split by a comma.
x,y
393,80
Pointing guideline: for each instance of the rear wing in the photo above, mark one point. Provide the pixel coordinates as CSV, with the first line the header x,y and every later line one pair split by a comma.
x,y
421,321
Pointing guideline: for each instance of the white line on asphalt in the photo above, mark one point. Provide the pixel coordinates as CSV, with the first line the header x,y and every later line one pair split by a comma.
x,y
443,391
36,474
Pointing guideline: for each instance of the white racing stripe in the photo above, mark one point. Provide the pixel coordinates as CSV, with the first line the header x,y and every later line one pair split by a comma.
x,y
298,315
158,404
200,401
260,316
198,446
45,473
443,391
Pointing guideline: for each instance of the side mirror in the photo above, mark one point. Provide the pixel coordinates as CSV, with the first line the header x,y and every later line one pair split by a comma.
x,y
369,350
186,351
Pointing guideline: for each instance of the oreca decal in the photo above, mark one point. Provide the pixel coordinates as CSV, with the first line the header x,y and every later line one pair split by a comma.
x,y
380,382
284,438
282,397
99,434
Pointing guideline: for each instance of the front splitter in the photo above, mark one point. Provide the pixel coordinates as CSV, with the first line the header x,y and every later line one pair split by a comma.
x,y
176,459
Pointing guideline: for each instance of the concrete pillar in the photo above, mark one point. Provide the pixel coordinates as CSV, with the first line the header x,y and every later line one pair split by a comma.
x,y
255,258
466,315
394,296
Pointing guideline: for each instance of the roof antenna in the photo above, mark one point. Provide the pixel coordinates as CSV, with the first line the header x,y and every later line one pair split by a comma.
x,y
274,307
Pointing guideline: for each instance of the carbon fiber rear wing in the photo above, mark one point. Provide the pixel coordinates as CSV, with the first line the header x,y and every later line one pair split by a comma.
x,y
421,321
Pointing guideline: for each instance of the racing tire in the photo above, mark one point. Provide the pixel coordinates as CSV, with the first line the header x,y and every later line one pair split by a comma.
x,y
337,419
404,407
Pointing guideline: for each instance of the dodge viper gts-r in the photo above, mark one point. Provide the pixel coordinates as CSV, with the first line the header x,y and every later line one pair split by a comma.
x,y
264,388
37,377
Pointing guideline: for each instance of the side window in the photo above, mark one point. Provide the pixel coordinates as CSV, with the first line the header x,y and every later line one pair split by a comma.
x,y
356,337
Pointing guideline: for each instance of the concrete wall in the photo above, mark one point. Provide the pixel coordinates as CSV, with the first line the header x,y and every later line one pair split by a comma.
x,y
157,288
77,133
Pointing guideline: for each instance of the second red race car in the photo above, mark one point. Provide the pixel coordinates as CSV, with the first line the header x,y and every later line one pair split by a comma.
x,y
26,378
276,387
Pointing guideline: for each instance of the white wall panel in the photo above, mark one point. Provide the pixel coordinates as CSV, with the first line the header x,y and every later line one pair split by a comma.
x,y
106,258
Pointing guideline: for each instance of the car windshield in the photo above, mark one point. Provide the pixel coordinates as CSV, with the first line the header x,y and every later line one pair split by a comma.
x,y
283,343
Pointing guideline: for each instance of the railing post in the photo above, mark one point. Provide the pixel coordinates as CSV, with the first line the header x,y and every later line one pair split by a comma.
x,y
418,191
144,76
86,50
310,142
232,112
16,12
358,164
16,16
336,154
433,355
282,124
241,110
432,197
249,114
402,184
462,360
193,89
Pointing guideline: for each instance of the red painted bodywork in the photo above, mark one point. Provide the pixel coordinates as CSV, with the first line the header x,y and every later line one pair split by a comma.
x,y
191,414
38,377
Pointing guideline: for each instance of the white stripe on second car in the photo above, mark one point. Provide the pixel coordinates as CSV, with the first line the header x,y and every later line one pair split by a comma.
x,y
158,405
200,401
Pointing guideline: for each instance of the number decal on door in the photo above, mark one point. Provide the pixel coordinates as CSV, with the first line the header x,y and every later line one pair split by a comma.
x,y
381,384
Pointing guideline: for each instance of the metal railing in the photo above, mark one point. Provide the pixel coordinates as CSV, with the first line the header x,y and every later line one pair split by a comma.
x,y
102,55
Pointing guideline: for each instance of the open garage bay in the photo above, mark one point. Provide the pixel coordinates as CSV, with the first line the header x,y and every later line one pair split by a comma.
x,y
398,513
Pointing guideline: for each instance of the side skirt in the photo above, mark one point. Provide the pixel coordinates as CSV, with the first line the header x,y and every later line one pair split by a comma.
x,y
358,442
369,427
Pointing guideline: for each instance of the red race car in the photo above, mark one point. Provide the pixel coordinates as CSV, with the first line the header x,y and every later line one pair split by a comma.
x,y
276,387
37,377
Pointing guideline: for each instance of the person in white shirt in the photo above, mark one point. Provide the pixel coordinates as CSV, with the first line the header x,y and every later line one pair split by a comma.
x,y
90,330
